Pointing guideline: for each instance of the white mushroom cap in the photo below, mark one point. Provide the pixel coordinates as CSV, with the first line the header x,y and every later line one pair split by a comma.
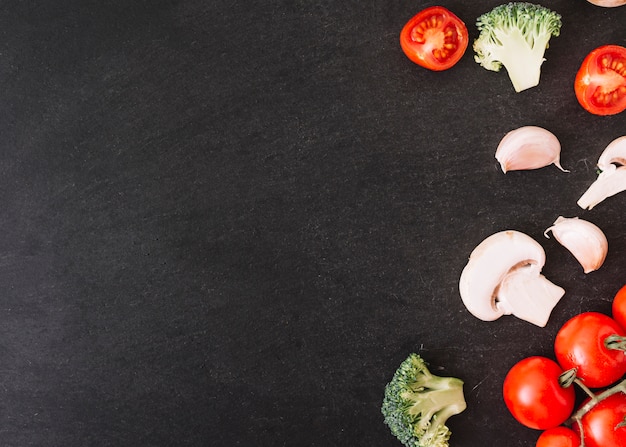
x,y
503,276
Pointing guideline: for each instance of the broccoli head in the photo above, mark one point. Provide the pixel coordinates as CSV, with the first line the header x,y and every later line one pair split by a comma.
x,y
516,35
417,404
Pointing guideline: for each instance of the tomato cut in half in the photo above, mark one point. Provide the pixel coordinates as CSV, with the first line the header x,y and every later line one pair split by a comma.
x,y
600,83
434,38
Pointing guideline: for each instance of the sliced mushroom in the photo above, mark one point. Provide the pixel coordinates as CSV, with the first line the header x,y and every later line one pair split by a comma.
x,y
612,177
503,277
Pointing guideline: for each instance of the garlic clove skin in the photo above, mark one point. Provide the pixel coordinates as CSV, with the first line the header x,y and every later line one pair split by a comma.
x,y
528,147
583,239
608,3
612,178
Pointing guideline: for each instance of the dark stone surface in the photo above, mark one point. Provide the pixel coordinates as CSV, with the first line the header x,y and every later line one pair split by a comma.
x,y
227,224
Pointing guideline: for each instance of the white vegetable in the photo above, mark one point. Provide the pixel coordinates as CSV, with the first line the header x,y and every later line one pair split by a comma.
x,y
612,178
503,277
583,239
528,147
608,3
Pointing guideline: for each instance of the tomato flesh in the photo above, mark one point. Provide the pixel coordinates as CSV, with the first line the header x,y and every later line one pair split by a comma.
x,y
534,396
602,424
600,83
434,38
580,343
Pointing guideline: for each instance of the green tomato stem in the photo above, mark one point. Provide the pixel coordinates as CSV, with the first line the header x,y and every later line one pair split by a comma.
x,y
595,399
615,342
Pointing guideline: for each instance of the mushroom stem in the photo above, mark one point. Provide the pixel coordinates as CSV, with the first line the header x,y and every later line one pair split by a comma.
x,y
528,296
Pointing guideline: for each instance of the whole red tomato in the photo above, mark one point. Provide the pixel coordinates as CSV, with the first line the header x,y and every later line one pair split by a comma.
x,y
601,425
580,344
619,307
533,395
600,83
434,38
558,437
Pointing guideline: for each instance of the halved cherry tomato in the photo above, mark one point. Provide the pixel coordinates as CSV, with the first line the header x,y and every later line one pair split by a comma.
x,y
581,344
619,307
600,83
558,437
534,396
434,38
603,424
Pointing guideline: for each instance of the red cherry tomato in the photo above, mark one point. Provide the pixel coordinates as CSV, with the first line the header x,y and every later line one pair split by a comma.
x,y
619,307
558,437
600,83
601,425
434,38
533,395
580,344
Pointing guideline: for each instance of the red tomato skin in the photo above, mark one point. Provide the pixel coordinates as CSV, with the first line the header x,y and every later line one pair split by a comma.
x,y
619,307
424,53
533,395
558,437
580,344
596,83
600,423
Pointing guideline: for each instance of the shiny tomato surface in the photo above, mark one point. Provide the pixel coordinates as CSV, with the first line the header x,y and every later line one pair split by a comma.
x,y
602,424
600,83
558,437
619,307
534,396
434,38
580,343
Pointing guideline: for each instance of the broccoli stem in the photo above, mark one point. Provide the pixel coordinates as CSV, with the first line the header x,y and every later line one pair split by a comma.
x,y
441,396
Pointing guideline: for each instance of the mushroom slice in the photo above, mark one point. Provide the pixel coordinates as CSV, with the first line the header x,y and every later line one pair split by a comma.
x,y
503,277
583,239
612,177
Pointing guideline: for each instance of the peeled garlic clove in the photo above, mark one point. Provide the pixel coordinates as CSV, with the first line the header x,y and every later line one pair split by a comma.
x,y
612,178
528,147
583,239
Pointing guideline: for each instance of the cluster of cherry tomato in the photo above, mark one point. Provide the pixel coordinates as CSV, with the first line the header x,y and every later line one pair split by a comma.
x,y
590,352
436,39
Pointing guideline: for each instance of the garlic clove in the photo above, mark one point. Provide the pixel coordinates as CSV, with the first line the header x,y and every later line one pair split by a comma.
x,y
612,178
608,3
583,239
528,147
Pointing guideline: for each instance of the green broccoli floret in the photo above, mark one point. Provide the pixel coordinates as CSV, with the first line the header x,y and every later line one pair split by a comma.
x,y
516,35
417,404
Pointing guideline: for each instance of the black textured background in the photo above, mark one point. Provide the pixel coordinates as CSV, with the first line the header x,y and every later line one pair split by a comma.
x,y
227,223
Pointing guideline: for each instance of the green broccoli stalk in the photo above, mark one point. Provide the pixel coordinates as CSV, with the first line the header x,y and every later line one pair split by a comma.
x,y
516,35
417,404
